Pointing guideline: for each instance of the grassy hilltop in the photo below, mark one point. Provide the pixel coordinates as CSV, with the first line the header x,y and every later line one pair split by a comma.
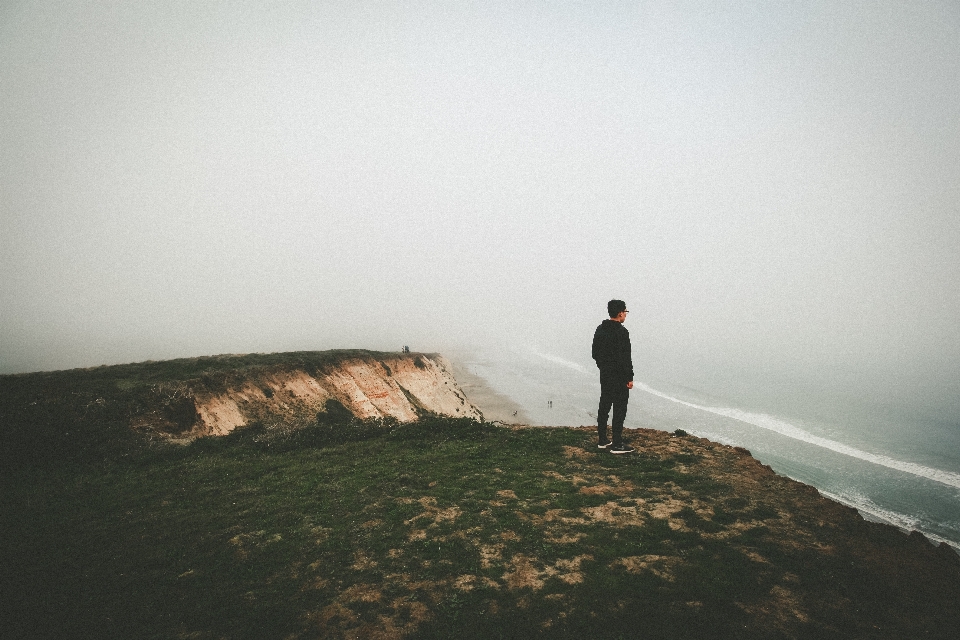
x,y
449,528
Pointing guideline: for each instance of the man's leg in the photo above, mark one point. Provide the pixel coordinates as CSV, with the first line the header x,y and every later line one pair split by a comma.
x,y
620,413
603,412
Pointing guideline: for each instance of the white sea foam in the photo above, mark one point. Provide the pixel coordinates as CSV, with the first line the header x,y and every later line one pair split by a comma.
x,y
557,359
872,512
776,425
716,437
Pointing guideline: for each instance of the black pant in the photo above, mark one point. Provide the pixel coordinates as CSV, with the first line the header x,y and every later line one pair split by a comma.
x,y
613,393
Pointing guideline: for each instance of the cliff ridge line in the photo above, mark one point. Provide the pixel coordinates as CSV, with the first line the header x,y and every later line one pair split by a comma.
x,y
78,412
399,386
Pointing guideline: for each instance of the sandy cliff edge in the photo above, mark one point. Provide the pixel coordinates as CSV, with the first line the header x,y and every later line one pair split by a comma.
x,y
367,384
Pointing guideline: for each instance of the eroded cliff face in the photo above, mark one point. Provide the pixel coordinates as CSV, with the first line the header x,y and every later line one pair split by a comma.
x,y
367,385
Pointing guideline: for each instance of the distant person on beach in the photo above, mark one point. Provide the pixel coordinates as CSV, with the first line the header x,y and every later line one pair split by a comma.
x,y
611,350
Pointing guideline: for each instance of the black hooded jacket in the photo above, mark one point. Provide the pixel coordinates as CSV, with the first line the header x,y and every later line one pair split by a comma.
x,y
611,350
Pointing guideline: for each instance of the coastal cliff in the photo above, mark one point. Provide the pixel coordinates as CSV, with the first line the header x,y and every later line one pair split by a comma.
x,y
366,385
109,410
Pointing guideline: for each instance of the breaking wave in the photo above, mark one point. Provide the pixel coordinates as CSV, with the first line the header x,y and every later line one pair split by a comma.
x,y
776,425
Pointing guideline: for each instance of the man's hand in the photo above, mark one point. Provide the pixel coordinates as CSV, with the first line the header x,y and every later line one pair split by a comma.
x,y
630,385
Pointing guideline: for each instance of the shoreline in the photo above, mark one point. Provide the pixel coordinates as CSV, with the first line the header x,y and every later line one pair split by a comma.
x,y
873,516
494,406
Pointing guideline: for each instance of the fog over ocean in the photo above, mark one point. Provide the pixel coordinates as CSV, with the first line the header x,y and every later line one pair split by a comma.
x,y
902,467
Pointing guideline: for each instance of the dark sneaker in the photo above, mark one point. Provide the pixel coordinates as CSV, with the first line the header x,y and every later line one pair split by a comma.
x,y
604,445
622,448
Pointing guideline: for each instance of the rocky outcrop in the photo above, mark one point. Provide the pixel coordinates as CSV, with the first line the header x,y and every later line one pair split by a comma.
x,y
50,417
293,394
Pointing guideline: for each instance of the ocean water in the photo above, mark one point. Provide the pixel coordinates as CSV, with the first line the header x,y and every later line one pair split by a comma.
x,y
896,466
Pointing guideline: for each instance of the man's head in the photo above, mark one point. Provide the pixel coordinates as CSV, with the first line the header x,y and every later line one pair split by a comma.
x,y
617,309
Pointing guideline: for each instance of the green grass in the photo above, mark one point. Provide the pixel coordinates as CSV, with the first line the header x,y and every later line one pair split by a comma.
x,y
442,528
245,537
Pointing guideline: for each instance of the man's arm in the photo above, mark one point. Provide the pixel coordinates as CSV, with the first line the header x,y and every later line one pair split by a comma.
x,y
627,353
597,348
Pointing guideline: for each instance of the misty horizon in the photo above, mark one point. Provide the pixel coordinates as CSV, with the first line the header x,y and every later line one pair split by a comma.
x,y
771,189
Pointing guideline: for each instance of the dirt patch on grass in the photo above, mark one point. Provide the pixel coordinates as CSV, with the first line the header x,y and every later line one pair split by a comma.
x,y
246,543
614,514
527,572
469,582
400,617
782,609
523,573
611,485
362,562
573,453
433,513
552,515
417,535
568,571
320,534
660,566
490,553
565,538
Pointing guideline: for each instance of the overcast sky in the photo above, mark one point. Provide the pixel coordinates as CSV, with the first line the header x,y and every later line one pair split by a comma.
x,y
771,186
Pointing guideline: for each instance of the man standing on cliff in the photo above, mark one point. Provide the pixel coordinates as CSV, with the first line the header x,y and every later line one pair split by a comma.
x,y
611,350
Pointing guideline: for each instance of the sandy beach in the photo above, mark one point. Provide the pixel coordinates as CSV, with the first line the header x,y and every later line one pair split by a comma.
x,y
493,405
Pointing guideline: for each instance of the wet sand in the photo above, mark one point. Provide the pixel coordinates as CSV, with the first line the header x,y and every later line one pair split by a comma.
x,y
493,405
